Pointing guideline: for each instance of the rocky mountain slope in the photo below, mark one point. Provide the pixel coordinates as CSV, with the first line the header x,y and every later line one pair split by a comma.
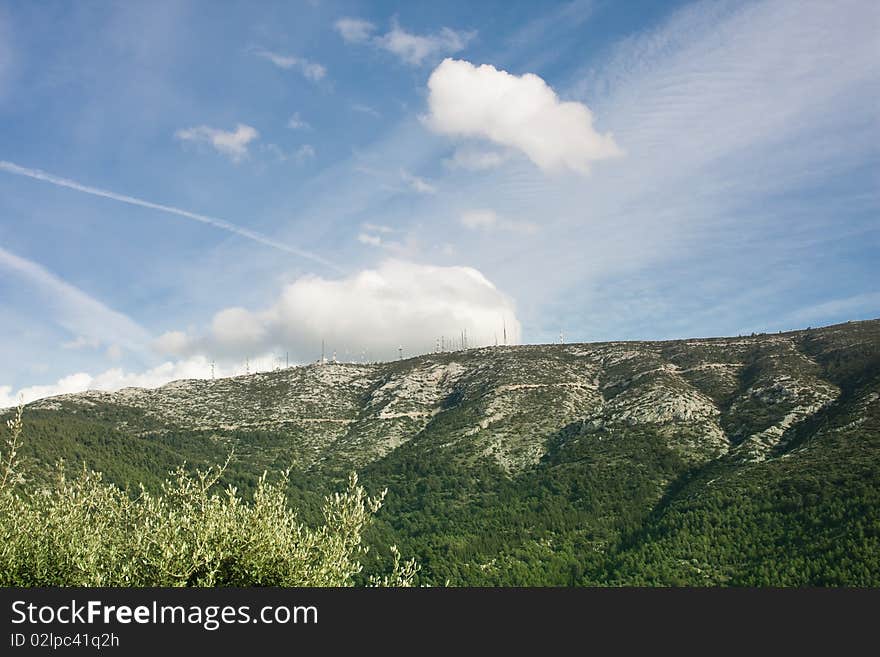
x,y
708,397
497,423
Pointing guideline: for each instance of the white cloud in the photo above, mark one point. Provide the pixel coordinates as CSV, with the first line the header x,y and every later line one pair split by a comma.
x,y
367,238
304,152
355,30
378,228
237,328
300,155
83,316
197,367
417,184
412,49
378,237
376,310
474,159
114,352
82,342
222,224
475,219
366,109
297,123
488,220
415,48
172,342
730,113
311,70
233,143
521,112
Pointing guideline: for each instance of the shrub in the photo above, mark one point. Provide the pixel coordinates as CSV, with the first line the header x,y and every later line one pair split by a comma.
x,y
83,531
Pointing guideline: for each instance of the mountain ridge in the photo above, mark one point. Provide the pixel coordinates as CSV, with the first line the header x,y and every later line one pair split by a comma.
x,y
546,464
683,385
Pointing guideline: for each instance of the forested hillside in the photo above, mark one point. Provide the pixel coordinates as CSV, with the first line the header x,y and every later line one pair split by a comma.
x,y
723,461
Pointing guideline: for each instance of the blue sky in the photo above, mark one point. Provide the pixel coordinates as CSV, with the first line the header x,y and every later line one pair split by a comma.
x,y
184,183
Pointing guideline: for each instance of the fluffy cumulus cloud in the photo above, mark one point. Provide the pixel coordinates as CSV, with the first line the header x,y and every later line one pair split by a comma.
x,y
369,314
413,49
233,144
172,342
238,328
520,112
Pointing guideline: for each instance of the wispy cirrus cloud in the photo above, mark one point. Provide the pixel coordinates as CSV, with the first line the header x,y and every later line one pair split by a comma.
x,y
82,342
366,109
7,53
401,181
221,224
369,239
488,220
309,69
301,155
866,304
377,228
416,183
91,322
475,159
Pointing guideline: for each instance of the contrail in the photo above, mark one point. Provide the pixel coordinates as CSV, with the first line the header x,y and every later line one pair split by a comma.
x,y
36,174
